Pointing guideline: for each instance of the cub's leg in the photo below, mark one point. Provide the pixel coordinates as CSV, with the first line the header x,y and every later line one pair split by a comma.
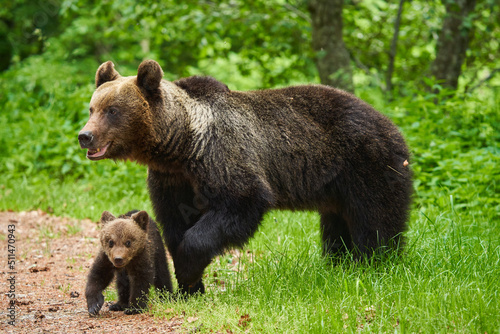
x,y
140,277
123,288
100,276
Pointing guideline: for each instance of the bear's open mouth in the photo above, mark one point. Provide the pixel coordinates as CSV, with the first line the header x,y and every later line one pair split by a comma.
x,y
98,153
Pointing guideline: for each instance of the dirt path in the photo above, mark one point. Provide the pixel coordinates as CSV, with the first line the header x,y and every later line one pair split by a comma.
x,y
52,258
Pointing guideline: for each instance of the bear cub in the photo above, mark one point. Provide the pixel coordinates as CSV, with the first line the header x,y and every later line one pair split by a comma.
x,y
132,250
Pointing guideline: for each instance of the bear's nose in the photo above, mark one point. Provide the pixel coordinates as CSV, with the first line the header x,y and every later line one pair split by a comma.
x,y
118,261
85,138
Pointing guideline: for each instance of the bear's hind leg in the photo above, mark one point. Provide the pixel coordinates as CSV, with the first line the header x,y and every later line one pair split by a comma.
x,y
335,234
369,242
376,229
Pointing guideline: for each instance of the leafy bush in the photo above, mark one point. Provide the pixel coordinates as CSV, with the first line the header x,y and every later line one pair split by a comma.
x,y
46,104
455,147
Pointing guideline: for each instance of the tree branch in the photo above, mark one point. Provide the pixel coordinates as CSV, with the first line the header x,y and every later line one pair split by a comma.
x,y
297,11
483,81
393,49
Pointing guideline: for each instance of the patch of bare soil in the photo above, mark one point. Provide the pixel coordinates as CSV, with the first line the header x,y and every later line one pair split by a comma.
x,y
43,291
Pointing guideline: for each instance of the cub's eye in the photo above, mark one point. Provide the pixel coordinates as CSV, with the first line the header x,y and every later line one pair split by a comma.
x,y
128,243
111,243
91,111
112,111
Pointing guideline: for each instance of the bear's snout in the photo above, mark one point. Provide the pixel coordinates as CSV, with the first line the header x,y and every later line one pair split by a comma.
x,y
85,138
118,261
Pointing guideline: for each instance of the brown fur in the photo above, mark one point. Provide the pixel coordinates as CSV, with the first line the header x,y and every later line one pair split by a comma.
x,y
219,159
132,250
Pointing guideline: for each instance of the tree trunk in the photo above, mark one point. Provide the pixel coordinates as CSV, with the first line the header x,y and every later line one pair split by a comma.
x,y
453,42
332,57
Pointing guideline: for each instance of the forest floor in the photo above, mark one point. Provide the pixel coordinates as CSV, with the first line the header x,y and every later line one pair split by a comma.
x,y
53,256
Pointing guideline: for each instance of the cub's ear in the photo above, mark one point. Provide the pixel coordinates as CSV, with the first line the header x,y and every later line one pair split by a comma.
x,y
149,75
107,217
106,72
142,219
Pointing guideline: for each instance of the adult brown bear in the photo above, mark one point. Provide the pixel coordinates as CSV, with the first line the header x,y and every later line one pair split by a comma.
x,y
219,159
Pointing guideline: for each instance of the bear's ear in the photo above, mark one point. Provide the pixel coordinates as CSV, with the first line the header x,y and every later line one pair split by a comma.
x,y
142,219
107,217
149,75
106,72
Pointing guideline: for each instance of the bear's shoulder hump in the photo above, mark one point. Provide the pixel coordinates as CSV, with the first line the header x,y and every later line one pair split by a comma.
x,y
201,86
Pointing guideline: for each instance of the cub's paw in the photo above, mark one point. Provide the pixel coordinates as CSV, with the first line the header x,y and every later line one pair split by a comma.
x,y
94,304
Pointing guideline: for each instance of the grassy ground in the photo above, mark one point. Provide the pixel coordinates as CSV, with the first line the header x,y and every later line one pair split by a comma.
x,y
446,281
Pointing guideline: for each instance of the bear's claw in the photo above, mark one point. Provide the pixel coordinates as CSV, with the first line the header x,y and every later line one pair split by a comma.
x,y
95,304
94,309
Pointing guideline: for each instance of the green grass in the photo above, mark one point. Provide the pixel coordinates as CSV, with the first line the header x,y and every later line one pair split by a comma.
x,y
121,189
446,281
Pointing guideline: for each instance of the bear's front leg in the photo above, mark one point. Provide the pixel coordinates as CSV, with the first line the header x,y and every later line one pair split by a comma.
x,y
141,277
100,276
218,229
123,288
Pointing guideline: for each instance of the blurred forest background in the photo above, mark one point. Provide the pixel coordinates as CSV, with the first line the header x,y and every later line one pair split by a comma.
x,y
433,67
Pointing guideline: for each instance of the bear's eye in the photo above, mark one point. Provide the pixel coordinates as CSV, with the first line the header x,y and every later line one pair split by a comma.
x,y
112,111
91,111
111,243
128,243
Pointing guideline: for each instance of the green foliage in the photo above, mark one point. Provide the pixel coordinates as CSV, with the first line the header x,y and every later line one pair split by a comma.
x,y
24,27
368,29
263,36
41,163
271,38
462,154
47,107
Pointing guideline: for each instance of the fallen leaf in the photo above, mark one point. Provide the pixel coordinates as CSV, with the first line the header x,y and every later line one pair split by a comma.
x,y
244,320
36,269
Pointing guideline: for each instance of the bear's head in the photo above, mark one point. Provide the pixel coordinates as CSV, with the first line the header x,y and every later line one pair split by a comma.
x,y
123,238
120,124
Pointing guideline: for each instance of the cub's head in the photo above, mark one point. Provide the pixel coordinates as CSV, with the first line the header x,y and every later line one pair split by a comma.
x,y
123,238
120,119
